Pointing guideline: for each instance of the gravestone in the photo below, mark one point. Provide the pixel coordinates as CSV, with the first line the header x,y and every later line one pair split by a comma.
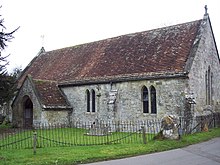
x,y
98,129
170,127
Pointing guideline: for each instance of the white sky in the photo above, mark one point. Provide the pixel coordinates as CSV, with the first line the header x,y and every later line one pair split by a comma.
x,y
72,22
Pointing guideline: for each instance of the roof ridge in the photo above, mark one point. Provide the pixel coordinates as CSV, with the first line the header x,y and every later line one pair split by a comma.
x,y
114,37
43,80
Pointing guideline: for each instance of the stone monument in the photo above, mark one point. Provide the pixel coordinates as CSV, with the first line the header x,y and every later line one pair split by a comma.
x,y
169,127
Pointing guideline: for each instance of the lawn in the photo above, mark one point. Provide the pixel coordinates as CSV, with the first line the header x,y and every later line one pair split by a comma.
x,y
57,137
84,154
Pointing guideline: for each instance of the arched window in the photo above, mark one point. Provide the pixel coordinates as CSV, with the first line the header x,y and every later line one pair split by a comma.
x,y
93,101
208,83
153,100
145,99
88,100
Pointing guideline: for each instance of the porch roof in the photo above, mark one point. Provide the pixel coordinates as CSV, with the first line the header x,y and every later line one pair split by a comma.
x,y
50,96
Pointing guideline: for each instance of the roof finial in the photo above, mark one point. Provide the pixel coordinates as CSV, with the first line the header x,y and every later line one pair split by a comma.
x,y
206,9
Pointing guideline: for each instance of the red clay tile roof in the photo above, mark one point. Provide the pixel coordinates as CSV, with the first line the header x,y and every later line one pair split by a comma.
x,y
50,95
163,50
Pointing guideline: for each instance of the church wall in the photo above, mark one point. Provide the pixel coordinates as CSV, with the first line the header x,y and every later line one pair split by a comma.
x,y
205,56
128,103
26,90
52,117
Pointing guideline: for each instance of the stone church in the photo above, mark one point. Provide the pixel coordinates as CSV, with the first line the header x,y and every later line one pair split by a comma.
x,y
137,76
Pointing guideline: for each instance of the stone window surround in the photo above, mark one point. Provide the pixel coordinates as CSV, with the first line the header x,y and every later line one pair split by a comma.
x,y
149,93
208,82
90,101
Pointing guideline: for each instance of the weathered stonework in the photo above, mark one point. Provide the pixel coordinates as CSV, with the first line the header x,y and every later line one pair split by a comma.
x,y
128,103
169,127
205,56
18,107
54,117
40,115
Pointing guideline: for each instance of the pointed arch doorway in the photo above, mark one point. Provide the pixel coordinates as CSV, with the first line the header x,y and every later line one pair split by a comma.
x,y
28,112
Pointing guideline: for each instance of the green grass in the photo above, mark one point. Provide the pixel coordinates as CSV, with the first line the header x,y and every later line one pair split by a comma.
x,y
65,137
85,154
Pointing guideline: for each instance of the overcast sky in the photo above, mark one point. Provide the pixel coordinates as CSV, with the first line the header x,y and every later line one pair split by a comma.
x,y
72,22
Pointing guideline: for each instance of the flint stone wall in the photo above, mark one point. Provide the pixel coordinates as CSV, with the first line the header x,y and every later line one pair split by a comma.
x,y
205,56
128,104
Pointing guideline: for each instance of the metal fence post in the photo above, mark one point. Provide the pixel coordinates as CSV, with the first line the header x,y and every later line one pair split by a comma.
x,y
34,141
144,134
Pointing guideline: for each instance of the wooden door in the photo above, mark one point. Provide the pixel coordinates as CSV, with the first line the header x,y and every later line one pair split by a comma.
x,y
28,114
